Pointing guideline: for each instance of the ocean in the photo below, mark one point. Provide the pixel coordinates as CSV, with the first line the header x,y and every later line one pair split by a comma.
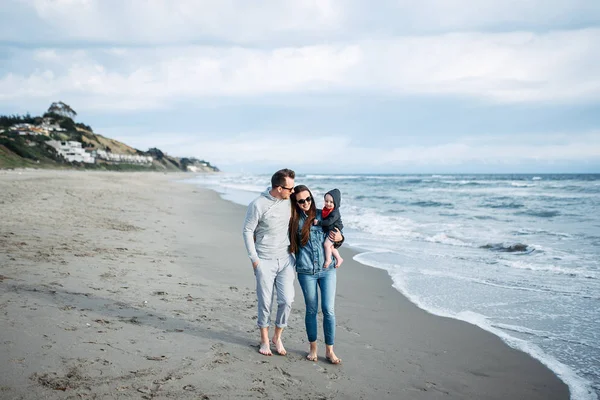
x,y
517,255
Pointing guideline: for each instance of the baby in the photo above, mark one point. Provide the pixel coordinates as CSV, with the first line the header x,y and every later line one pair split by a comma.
x,y
331,220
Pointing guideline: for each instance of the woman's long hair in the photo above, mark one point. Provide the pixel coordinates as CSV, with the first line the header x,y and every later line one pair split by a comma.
x,y
295,220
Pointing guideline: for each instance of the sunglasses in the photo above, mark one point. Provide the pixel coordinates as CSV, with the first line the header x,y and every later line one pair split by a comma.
x,y
306,200
290,189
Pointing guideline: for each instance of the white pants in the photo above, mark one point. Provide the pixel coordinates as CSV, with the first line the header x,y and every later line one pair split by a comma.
x,y
275,274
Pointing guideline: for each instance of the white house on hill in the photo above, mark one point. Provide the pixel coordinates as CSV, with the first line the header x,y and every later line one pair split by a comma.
x,y
72,151
122,158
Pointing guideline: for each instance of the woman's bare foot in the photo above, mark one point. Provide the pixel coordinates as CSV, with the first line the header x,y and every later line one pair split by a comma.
x,y
265,349
312,352
331,357
279,346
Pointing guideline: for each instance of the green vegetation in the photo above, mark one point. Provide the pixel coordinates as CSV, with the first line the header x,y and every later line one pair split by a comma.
x,y
62,109
10,120
33,148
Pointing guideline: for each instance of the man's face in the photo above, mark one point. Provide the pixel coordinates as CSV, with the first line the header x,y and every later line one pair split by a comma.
x,y
287,191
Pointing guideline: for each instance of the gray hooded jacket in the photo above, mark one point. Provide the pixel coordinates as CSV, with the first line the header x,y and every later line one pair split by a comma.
x,y
266,228
334,219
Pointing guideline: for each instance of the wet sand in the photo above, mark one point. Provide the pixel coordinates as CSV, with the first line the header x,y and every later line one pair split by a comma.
x,y
132,285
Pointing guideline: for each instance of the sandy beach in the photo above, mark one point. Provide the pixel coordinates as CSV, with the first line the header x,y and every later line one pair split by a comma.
x,y
135,285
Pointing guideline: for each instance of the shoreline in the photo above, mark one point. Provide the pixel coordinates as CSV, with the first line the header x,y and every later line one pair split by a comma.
x,y
157,270
579,387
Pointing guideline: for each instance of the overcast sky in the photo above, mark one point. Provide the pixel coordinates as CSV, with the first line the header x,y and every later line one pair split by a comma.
x,y
431,86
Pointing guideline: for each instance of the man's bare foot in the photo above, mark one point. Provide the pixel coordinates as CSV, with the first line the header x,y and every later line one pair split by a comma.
x,y
265,349
338,262
279,347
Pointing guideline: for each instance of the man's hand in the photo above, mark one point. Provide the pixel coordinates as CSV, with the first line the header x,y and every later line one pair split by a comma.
x,y
255,264
335,235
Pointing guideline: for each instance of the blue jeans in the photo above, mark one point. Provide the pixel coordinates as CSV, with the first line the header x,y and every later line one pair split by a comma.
x,y
326,281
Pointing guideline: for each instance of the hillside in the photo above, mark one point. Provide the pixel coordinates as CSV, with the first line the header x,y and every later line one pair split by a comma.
x,y
55,140
98,141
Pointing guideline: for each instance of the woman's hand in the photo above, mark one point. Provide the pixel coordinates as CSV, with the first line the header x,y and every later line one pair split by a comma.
x,y
335,235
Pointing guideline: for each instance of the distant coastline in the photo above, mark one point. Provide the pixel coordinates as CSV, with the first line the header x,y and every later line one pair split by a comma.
x,y
55,141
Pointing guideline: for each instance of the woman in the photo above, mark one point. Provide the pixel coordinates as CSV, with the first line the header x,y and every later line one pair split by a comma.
x,y
306,242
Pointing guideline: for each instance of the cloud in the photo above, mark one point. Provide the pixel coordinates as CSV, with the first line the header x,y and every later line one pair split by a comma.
x,y
273,22
500,67
166,21
314,153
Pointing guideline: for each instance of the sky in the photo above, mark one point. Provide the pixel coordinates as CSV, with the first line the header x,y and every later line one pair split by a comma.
x,y
355,86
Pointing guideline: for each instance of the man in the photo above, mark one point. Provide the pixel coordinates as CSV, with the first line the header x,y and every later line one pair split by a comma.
x,y
266,239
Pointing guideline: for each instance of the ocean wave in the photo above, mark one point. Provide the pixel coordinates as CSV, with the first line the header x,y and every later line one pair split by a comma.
x,y
332,177
522,329
372,222
445,239
372,197
526,232
510,248
539,213
465,183
496,283
431,203
484,217
246,188
521,184
554,269
508,206
544,335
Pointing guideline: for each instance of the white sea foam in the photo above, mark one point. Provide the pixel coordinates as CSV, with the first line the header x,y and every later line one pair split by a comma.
x,y
243,187
530,231
574,271
522,329
521,184
333,177
445,239
370,221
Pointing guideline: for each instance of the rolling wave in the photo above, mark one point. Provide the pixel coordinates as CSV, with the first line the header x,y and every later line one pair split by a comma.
x,y
508,248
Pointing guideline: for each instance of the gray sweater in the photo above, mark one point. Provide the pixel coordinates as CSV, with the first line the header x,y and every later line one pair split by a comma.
x,y
266,228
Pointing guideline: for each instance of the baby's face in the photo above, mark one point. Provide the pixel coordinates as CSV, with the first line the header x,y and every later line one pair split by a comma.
x,y
329,204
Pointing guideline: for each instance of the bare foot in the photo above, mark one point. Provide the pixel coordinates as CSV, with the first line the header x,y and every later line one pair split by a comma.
x,y
312,353
332,358
279,347
327,262
265,349
338,262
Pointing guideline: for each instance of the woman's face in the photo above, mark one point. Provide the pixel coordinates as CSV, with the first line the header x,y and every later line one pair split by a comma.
x,y
303,200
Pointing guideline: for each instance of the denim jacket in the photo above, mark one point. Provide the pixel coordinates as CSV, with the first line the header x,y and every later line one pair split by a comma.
x,y
310,258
